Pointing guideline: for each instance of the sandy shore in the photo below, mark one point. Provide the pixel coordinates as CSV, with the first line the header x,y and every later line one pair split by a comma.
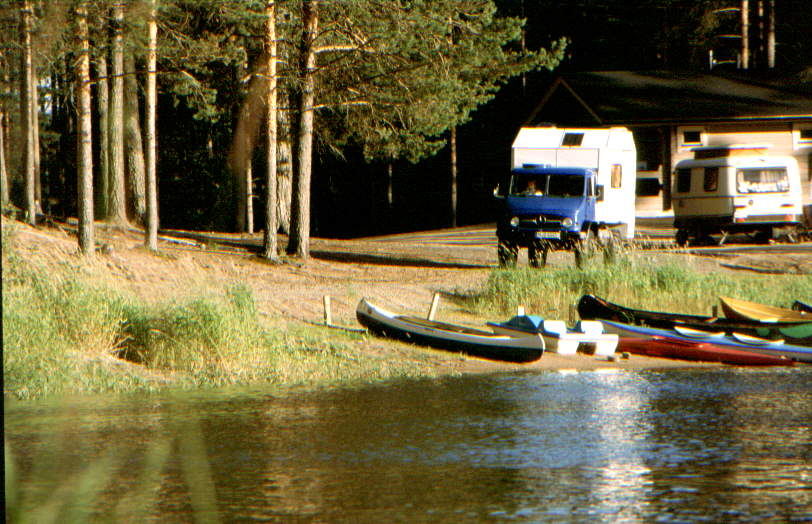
x,y
402,277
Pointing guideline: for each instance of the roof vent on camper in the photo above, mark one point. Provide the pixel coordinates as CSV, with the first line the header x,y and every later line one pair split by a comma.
x,y
572,139
730,150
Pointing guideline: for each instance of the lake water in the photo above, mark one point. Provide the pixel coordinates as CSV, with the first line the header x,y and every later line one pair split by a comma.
x,y
676,446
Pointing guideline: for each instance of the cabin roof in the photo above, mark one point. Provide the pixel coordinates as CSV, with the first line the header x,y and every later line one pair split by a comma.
x,y
666,97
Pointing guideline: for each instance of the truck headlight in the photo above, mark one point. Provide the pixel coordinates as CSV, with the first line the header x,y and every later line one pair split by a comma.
x,y
514,221
567,222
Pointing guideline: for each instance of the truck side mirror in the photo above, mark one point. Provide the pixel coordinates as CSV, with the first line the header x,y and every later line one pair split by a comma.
x,y
599,195
496,193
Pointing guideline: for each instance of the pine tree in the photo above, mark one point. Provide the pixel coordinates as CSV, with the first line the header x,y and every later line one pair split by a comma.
x,y
84,146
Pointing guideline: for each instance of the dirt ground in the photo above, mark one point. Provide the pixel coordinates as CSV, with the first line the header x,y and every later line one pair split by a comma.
x,y
400,274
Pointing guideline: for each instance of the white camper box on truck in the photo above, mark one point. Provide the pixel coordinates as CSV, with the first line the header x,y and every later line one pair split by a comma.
x,y
735,189
609,152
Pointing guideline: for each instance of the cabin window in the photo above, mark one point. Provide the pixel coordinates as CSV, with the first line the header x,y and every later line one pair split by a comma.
x,y
711,179
683,180
617,175
759,180
572,139
692,137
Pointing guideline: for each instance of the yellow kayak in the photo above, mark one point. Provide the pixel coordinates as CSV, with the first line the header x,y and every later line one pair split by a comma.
x,y
743,309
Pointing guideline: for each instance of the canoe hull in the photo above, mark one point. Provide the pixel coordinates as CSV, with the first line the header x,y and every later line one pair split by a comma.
x,y
745,310
697,352
449,337
591,307
779,350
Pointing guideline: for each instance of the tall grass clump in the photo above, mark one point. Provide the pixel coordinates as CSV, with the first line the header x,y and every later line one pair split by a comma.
x,y
215,339
57,328
65,333
635,281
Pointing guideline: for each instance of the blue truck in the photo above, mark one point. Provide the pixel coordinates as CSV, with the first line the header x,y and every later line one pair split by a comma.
x,y
566,188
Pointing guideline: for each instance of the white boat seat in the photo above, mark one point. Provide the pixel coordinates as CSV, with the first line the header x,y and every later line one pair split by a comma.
x,y
589,327
558,327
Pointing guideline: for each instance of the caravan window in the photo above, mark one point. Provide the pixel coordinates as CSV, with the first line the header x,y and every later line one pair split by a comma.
x,y
757,180
711,179
683,180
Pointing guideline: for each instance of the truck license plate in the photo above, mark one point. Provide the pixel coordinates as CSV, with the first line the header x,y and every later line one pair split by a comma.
x,y
548,234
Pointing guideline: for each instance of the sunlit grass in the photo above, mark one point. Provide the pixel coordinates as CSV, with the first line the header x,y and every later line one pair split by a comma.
x,y
634,280
65,332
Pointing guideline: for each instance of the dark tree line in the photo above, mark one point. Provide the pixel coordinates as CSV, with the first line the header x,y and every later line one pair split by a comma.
x,y
360,111
203,79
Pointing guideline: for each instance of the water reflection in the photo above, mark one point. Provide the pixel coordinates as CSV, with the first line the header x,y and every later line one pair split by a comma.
x,y
620,446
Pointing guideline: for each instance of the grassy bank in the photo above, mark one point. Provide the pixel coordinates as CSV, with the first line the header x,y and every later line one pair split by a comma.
x,y
636,280
65,331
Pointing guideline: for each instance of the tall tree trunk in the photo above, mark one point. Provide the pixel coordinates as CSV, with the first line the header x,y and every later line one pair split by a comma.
x,y
761,38
134,147
26,112
84,149
249,197
242,159
284,166
118,187
390,185
35,138
299,240
771,35
269,240
745,14
151,236
102,201
4,191
453,176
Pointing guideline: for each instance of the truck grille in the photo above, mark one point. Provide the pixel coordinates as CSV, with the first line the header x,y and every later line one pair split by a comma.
x,y
536,222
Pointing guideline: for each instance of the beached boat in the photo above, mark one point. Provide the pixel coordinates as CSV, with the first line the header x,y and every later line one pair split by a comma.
x,y
591,307
776,348
587,337
692,350
799,305
450,337
742,309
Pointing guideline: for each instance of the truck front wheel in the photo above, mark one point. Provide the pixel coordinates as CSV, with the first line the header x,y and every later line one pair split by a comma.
x,y
537,254
508,253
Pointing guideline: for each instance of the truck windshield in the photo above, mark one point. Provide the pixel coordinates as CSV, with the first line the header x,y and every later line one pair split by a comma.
x,y
549,185
528,185
566,186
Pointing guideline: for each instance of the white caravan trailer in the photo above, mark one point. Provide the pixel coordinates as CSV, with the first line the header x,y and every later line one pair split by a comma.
x,y
735,189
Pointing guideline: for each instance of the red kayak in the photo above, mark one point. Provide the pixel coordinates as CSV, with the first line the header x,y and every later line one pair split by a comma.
x,y
658,346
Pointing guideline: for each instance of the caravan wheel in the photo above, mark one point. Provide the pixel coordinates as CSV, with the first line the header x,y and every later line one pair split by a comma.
x,y
763,236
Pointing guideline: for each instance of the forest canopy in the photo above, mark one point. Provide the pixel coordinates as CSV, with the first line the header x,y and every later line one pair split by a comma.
x,y
121,101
